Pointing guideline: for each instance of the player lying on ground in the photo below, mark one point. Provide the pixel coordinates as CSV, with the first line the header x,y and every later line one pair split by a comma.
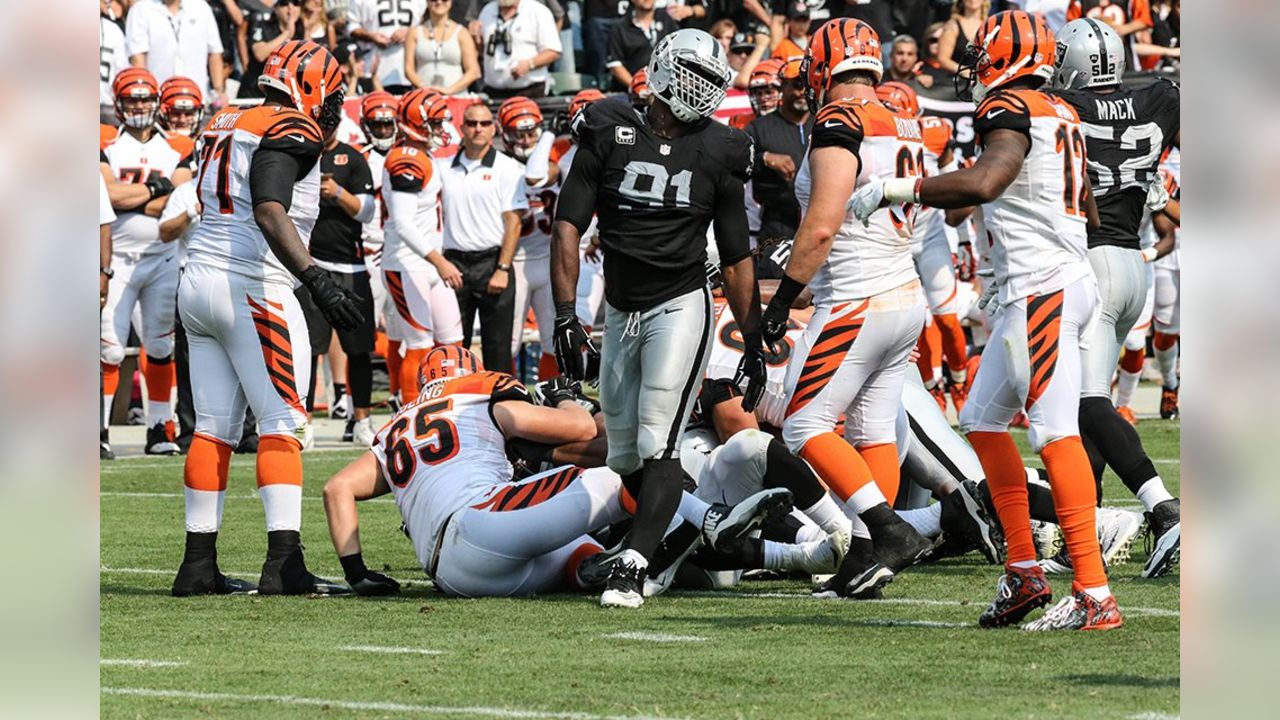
x,y
474,531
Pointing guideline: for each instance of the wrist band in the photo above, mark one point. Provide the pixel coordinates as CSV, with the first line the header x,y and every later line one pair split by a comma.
x,y
787,292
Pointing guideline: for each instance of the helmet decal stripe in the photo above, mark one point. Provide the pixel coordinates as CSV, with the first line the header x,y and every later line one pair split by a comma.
x,y
1104,61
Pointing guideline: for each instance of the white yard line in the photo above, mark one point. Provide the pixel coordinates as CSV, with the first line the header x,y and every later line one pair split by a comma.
x,y
171,496
1153,716
1148,611
375,707
130,462
389,650
141,663
653,637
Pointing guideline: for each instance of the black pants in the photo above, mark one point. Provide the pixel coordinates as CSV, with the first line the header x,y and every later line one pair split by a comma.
x,y
497,312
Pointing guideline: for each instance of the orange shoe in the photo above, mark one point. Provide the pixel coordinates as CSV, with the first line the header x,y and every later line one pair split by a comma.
x,y
959,391
1079,612
939,396
1020,421
1018,592
1169,404
1126,412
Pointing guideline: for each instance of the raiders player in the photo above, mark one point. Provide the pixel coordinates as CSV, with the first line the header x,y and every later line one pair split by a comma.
x,y
656,179
1127,130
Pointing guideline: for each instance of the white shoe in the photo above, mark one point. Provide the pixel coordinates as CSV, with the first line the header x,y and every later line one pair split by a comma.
x,y
624,588
1117,530
363,432
1047,538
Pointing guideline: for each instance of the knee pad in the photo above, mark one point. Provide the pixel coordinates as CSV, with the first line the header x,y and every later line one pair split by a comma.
x,y
625,465
747,446
111,353
649,444
159,347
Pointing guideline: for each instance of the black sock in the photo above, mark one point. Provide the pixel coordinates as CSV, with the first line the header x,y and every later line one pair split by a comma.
x,y
788,471
659,497
1039,499
783,531
744,554
1117,441
201,546
311,385
282,542
353,567
633,482
360,377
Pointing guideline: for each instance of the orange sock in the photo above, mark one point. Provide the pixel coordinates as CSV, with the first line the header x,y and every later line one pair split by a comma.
x,y
1007,480
159,374
579,554
1132,360
547,367
393,367
208,462
952,342
1075,501
1163,341
409,374
838,464
930,346
280,481
110,379
882,460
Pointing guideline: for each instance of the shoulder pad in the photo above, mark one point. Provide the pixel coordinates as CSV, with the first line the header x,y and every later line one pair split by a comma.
x,y
408,168
181,144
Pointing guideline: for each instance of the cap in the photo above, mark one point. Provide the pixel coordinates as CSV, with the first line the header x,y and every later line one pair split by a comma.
x,y
797,10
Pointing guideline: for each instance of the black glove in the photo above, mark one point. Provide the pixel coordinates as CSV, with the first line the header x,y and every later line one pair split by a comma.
x,y
338,305
364,581
159,185
753,370
576,355
773,324
557,390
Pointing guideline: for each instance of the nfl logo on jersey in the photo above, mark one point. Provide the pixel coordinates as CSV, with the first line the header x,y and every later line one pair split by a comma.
x,y
664,149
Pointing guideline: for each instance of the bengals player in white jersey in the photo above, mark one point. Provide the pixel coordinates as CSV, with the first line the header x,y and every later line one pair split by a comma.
x,y
259,188
141,164
869,306
420,281
520,121
378,123
474,531
1031,181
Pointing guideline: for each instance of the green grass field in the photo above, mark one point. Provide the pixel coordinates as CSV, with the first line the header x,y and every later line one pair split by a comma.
x,y
763,651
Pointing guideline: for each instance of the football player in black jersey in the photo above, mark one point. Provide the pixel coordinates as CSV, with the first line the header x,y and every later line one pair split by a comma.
x,y
656,179
1127,129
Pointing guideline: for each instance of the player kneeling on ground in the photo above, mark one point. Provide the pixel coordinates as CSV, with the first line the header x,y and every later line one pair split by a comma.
x,y
474,531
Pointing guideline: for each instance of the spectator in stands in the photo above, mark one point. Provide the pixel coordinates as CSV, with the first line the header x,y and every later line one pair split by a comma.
x,y
904,63
685,13
966,17
781,138
723,30
172,37
1054,12
439,53
385,25
266,33
1161,47
745,52
519,40
797,29
1126,17
315,24
876,13
633,38
598,18
484,200
932,66
112,58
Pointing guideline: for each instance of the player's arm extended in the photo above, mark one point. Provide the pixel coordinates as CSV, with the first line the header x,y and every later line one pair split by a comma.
x,y
995,169
567,422
360,480
835,173
573,215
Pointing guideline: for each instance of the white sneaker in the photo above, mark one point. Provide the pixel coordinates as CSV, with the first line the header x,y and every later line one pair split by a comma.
x,y
1047,538
624,588
363,432
1117,530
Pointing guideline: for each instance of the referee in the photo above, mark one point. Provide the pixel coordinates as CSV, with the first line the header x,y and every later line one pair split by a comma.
x,y
346,203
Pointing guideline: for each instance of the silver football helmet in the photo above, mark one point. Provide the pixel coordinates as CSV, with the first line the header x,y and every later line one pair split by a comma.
x,y
1090,54
690,73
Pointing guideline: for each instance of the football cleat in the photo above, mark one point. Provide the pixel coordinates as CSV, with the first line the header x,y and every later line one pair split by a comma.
x,y
1168,403
203,578
1127,413
1165,529
339,410
624,587
135,416
393,404
1117,529
1058,564
159,442
104,447
723,524
1018,592
1079,611
675,548
285,570
859,576
963,516
897,544
375,585
363,432
593,571
958,393
348,432
1047,537
939,396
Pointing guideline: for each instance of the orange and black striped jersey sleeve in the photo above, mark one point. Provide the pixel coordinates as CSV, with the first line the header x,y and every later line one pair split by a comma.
x,y
937,134
186,149
410,170
1005,110
840,124
290,131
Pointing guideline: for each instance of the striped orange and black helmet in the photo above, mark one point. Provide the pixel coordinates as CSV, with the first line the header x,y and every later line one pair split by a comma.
x,y
840,46
422,114
311,77
1008,45
181,105
583,99
447,361
139,87
378,119
899,97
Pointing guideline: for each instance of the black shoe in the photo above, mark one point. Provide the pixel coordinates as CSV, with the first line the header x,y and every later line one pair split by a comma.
x,y
593,573
285,572
1164,524
724,524
897,545
964,519
625,585
104,447
201,577
859,576
248,445
158,442
348,433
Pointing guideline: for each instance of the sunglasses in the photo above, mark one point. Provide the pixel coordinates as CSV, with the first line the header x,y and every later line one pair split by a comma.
x,y
477,123
287,3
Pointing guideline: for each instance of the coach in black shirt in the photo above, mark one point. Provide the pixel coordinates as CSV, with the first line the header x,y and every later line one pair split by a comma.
x,y
632,39
780,138
346,202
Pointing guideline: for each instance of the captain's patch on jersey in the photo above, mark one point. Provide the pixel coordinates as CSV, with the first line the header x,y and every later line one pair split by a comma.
x,y
624,135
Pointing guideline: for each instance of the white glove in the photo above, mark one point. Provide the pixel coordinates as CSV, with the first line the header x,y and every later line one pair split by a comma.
x,y
1157,195
867,200
1149,253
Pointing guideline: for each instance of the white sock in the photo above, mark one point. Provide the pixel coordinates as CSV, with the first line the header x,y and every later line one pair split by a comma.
x,y
1098,593
932,382
927,520
1126,383
692,509
107,401
282,504
809,532
1024,564
158,412
204,510
1152,493
828,515
867,497
958,377
775,555
1168,361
